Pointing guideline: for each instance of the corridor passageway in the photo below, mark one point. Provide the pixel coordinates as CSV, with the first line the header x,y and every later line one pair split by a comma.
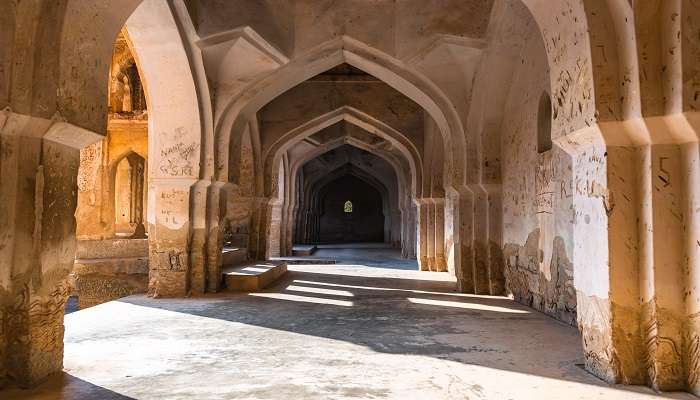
x,y
349,199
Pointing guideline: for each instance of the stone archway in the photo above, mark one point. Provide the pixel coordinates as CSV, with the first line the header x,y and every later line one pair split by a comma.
x,y
362,222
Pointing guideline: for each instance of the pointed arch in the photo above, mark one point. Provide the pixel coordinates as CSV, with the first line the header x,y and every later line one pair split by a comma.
x,y
359,119
344,49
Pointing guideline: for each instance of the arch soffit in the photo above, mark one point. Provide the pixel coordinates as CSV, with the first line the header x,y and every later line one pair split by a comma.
x,y
174,111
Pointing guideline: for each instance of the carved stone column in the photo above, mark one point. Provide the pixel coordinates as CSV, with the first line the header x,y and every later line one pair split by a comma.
x,y
169,236
39,162
439,246
422,234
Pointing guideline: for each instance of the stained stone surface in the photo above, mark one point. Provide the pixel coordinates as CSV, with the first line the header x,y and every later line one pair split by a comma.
x,y
342,331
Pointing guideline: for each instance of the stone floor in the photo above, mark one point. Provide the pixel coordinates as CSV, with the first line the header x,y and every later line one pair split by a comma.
x,y
345,331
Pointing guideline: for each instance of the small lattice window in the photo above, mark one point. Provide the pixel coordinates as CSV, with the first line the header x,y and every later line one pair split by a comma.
x,y
348,206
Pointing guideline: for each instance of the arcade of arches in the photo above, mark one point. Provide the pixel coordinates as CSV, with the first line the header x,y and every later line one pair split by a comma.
x,y
537,152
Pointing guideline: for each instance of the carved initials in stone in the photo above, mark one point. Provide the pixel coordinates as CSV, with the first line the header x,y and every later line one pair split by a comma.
x,y
172,260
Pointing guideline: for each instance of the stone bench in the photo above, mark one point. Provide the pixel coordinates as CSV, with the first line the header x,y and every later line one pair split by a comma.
x,y
99,280
111,248
304,260
302,250
253,277
233,256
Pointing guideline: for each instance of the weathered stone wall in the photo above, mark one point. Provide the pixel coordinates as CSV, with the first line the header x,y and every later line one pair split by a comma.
x,y
537,194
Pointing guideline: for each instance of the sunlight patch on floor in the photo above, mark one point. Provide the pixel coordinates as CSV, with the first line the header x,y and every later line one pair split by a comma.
x,y
359,270
469,306
306,289
303,299
414,291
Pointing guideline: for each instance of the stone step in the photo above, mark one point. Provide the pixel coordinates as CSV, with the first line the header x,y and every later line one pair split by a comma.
x,y
253,277
234,256
303,250
304,260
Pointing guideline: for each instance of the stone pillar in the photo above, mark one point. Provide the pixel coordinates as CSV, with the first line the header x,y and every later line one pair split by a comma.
x,y
216,210
591,259
302,227
662,282
256,248
408,230
38,173
265,229
482,283
309,227
290,237
636,191
440,262
273,229
198,248
422,234
496,262
396,223
690,156
463,211
169,236
430,233
625,174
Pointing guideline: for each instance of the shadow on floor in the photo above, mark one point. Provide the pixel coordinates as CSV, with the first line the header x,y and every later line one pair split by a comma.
x,y
63,386
395,316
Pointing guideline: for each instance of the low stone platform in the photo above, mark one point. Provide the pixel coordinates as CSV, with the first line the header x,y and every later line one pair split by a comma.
x,y
253,277
234,256
99,280
303,250
111,248
304,260
106,270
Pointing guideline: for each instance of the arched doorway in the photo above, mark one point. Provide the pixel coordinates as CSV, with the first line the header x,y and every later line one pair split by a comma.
x,y
129,183
351,212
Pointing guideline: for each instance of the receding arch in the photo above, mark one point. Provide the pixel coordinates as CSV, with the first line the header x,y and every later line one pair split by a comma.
x,y
315,191
359,119
127,181
398,171
402,199
324,57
